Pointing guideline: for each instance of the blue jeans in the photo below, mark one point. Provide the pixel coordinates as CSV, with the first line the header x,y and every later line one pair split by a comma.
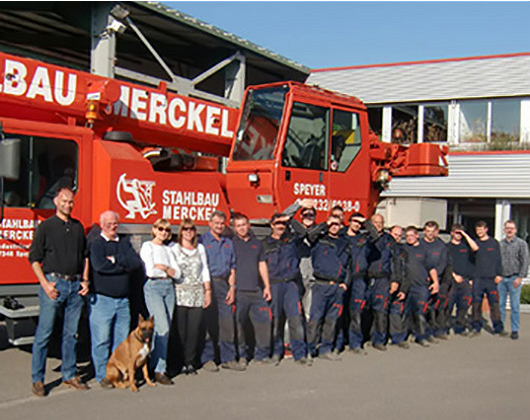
x,y
110,320
71,303
505,287
160,301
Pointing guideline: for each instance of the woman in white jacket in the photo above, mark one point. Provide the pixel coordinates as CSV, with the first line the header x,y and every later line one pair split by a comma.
x,y
162,270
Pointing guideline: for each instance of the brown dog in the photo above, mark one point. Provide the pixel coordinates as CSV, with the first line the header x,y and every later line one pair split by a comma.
x,y
131,355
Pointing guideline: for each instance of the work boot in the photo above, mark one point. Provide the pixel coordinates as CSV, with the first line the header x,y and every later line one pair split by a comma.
x,y
442,337
503,334
329,356
403,345
423,343
210,366
76,383
233,365
464,333
105,384
38,389
514,335
379,346
474,333
357,350
275,359
304,361
162,379
265,361
432,340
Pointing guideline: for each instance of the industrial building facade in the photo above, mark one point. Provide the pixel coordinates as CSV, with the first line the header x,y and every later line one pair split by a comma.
x,y
479,107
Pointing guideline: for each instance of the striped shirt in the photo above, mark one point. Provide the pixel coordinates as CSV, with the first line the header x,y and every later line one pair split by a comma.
x,y
514,256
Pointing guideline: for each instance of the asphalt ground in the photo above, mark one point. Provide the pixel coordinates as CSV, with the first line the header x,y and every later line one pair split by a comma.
x,y
485,377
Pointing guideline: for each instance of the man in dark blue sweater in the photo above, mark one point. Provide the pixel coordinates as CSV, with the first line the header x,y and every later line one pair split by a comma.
x,y
488,273
111,260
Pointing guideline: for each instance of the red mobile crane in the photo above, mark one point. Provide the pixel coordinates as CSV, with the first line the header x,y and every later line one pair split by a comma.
x,y
149,153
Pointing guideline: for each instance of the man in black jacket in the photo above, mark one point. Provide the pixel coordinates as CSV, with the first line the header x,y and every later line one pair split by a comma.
x,y
111,261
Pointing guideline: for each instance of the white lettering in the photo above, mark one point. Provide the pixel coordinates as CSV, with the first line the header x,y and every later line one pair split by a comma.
x,y
139,104
40,85
69,98
313,190
194,116
225,132
173,120
211,114
157,108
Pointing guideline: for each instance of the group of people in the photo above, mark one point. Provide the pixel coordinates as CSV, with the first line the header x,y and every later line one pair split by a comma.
x,y
335,285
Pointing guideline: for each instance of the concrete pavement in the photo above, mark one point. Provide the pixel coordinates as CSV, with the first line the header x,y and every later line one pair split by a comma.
x,y
485,377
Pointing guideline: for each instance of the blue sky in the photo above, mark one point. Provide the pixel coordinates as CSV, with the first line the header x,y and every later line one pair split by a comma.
x,y
335,34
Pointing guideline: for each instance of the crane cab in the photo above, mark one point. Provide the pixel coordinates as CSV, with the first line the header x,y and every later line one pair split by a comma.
x,y
296,141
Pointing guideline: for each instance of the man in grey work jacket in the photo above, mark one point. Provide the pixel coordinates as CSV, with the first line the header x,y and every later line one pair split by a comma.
x,y
514,255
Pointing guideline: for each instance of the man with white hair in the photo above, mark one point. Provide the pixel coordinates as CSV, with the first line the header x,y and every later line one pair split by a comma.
x,y
111,261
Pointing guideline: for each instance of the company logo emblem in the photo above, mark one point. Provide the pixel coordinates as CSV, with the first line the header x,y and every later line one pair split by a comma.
x,y
136,196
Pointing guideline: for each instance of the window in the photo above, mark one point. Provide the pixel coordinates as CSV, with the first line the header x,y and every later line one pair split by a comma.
x,y
46,165
505,120
405,124
520,213
260,123
345,140
473,121
435,123
306,143
375,119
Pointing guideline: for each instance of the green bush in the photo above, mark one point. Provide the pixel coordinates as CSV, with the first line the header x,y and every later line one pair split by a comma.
x,y
525,293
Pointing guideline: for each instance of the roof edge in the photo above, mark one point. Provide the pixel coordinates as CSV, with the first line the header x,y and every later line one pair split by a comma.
x,y
410,63
221,33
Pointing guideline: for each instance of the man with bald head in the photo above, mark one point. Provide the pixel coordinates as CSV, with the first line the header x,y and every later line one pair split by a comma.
x,y
111,261
58,259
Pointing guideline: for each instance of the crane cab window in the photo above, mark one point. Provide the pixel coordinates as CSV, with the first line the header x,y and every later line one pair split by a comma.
x,y
306,143
46,165
260,123
345,140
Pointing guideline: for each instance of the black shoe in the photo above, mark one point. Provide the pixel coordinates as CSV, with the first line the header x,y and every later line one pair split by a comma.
x,y
514,335
190,370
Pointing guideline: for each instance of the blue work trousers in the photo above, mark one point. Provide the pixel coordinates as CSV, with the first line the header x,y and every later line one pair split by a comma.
x,y
220,325
285,304
486,286
326,308
250,305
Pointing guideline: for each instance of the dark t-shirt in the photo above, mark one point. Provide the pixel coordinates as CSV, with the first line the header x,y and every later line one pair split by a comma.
x,y
462,258
417,271
488,259
60,246
248,255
